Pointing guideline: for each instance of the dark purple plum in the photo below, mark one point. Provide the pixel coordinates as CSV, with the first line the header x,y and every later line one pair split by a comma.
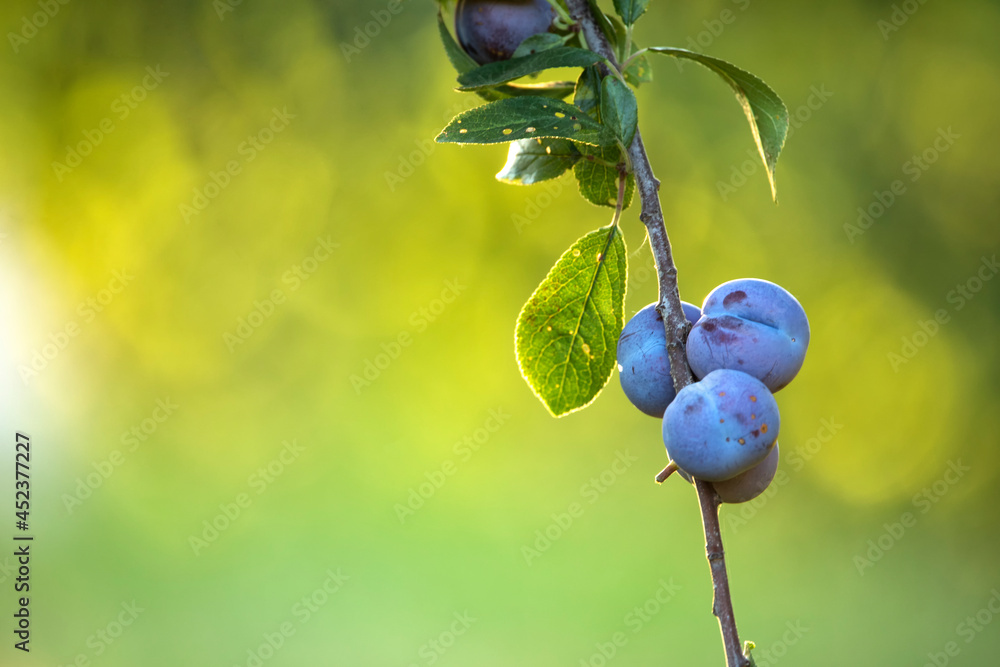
x,y
643,367
720,426
490,30
752,326
750,483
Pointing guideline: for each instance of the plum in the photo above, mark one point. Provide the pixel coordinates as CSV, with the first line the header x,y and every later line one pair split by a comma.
x,y
490,30
750,483
643,367
721,426
753,326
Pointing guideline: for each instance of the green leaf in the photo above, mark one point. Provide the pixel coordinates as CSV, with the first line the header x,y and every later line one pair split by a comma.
x,y
765,111
507,70
588,92
543,41
524,118
597,176
639,70
460,60
567,332
630,10
557,90
619,109
534,160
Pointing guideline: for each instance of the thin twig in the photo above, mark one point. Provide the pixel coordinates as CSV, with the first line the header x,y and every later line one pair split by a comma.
x,y
676,326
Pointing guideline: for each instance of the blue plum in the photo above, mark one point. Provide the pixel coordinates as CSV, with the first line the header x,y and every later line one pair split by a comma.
x,y
750,483
752,326
721,426
643,367
491,30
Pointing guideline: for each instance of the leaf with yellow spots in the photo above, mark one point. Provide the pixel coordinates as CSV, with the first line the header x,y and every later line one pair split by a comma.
x,y
639,71
534,160
518,118
598,177
567,332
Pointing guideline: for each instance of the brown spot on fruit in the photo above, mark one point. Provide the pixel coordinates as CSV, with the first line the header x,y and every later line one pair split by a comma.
x,y
731,323
755,433
763,428
738,296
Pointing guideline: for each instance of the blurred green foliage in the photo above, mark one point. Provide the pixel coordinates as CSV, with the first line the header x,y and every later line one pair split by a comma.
x,y
431,262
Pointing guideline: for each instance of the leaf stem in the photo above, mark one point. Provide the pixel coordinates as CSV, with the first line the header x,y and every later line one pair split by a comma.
x,y
562,13
676,327
620,206
628,62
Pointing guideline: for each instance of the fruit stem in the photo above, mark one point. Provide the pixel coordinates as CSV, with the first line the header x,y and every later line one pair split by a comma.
x,y
676,326
662,476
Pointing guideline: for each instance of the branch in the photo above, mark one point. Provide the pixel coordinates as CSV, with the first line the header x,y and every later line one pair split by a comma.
x,y
677,327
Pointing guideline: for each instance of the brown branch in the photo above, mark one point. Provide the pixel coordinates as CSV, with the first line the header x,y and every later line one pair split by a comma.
x,y
676,326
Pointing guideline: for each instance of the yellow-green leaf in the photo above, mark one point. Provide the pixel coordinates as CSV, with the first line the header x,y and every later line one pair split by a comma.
x,y
567,332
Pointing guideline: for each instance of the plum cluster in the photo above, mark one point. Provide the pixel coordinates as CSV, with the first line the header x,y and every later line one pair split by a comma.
x,y
748,340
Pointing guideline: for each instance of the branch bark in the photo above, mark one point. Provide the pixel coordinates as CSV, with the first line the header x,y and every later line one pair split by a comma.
x,y
677,327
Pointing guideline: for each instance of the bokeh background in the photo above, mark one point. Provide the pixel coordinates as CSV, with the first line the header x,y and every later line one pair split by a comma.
x,y
263,300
